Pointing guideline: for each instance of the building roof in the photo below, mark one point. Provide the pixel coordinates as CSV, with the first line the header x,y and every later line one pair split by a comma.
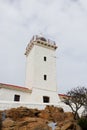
x,y
14,87
63,96
41,41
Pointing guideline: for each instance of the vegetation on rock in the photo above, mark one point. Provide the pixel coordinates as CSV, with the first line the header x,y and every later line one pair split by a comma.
x,y
83,123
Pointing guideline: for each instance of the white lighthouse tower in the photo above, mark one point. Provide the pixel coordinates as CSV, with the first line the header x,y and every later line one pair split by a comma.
x,y
41,71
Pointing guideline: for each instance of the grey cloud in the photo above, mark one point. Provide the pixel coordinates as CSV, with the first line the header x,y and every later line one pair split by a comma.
x,y
64,22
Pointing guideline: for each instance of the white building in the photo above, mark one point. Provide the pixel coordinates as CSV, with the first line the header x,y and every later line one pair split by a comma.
x,y
41,79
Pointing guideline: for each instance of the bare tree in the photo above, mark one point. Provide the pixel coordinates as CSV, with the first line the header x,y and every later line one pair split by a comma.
x,y
76,98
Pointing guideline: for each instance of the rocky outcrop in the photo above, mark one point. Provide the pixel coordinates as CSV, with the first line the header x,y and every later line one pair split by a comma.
x,y
23,118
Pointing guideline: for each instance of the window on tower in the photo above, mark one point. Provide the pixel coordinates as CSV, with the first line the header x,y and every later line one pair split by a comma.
x,y
46,99
16,98
45,58
45,77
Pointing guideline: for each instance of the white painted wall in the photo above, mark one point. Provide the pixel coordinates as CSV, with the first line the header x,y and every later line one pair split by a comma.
x,y
37,96
36,67
8,95
40,106
29,82
42,67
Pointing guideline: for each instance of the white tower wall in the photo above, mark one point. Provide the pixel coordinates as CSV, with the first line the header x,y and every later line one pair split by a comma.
x,y
42,68
29,82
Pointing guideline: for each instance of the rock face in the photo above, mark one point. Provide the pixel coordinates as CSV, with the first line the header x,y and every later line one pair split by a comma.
x,y
23,118
52,113
27,123
68,125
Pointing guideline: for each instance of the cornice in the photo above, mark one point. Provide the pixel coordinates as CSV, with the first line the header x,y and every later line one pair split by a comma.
x,y
37,41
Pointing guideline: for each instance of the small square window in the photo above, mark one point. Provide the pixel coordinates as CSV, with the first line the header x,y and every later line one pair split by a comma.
x,y
46,99
45,58
17,98
45,77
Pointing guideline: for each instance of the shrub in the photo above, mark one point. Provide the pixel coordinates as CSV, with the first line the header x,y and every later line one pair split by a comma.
x,y
83,123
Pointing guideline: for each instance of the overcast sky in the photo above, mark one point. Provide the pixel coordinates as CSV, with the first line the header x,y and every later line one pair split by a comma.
x,y
64,21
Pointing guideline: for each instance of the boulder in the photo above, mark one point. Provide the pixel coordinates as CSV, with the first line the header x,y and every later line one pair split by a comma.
x,y
45,115
68,125
69,116
20,112
27,123
8,122
52,108
52,113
